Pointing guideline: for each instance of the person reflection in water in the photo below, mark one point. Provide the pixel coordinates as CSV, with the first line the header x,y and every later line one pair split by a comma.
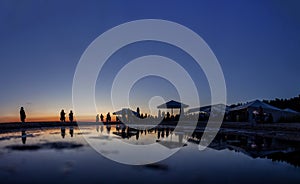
x,y
101,128
71,117
24,136
71,131
22,115
63,132
180,138
137,135
108,127
158,134
62,116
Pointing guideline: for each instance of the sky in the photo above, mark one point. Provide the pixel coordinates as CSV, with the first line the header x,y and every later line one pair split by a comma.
x,y
256,42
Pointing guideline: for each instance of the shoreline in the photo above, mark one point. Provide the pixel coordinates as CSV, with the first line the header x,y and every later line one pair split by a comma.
x,y
281,131
277,127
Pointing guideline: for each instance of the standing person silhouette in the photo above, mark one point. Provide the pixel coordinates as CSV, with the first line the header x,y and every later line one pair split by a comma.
x,y
101,117
22,115
97,118
71,117
108,118
62,116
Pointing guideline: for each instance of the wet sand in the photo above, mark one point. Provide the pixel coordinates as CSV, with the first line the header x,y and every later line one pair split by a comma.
x,y
284,131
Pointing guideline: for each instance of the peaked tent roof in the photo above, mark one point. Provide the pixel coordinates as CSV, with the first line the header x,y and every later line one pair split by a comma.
x,y
255,104
126,110
172,105
207,108
290,110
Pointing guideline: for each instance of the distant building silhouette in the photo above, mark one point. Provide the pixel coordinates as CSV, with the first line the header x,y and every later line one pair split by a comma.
x,y
22,115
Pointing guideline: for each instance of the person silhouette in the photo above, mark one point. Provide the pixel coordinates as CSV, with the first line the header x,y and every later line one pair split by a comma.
x,y
71,117
108,118
138,112
22,115
62,116
97,118
261,114
101,117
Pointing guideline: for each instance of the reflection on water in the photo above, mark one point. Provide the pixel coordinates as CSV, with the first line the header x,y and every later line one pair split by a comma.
x,y
62,154
24,136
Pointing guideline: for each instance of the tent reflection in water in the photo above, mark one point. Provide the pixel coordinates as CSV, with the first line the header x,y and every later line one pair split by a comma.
x,y
173,105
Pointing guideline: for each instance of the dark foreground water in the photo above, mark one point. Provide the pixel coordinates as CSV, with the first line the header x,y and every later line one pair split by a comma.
x,y
62,155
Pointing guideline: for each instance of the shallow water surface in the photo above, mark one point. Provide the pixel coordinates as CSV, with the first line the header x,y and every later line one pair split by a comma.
x,y
62,154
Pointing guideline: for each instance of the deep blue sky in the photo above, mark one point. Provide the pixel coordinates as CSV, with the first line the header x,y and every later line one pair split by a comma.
x,y
256,42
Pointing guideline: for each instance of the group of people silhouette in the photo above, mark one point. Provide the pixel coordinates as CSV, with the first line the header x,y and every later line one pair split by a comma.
x,y
62,115
101,117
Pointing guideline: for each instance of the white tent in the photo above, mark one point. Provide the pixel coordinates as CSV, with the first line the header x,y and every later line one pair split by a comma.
x,y
255,105
207,109
288,110
288,113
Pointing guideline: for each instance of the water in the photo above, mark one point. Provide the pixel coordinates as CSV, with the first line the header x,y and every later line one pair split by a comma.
x,y
61,154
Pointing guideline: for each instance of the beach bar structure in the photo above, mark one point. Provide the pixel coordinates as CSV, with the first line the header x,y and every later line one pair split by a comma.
x,y
173,105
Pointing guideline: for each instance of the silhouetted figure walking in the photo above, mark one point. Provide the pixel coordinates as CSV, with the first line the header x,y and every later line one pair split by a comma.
x,y
261,114
138,112
108,118
97,118
168,116
101,117
71,117
22,115
62,116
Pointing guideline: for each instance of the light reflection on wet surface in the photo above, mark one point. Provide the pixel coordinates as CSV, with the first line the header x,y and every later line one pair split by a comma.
x,y
62,154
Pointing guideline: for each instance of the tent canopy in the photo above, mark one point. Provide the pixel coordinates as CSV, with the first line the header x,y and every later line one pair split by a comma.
x,y
172,105
290,111
255,104
207,109
124,110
